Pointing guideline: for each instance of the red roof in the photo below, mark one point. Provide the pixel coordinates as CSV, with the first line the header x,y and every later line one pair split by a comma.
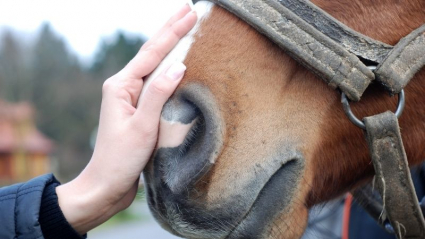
x,y
18,131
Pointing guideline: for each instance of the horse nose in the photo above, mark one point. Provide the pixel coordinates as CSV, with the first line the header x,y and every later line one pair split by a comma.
x,y
190,138
178,121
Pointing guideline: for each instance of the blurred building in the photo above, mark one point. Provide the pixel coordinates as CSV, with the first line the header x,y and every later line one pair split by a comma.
x,y
24,150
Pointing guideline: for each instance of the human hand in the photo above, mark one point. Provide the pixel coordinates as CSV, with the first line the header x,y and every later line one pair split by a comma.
x,y
127,134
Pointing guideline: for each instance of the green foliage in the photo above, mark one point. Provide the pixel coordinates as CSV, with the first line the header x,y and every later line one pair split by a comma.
x,y
12,61
66,95
114,56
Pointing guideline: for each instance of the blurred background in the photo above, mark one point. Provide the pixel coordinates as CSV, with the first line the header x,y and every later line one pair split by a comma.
x,y
54,57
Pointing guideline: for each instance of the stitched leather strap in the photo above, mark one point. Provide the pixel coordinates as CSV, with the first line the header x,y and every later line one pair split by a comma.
x,y
392,176
316,51
402,63
351,40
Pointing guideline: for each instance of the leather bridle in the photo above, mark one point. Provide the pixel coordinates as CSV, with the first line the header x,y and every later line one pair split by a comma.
x,y
350,61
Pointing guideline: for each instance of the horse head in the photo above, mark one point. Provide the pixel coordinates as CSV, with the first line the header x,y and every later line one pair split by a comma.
x,y
251,139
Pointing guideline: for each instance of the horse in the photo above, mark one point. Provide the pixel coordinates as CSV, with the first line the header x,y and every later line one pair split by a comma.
x,y
251,139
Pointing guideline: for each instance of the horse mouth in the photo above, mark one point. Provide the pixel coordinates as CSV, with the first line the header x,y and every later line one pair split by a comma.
x,y
274,197
253,222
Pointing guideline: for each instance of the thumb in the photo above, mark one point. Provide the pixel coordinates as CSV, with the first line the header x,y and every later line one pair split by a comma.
x,y
158,92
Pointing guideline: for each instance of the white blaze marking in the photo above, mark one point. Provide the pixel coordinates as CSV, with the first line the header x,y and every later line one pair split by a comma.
x,y
173,133
180,51
191,4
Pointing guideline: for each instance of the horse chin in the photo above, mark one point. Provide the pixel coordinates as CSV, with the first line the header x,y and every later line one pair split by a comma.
x,y
189,218
272,201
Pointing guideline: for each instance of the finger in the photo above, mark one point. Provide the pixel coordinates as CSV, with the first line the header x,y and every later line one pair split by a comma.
x,y
148,59
179,15
158,92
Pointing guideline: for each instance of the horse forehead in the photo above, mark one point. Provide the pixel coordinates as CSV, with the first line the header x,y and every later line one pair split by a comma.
x,y
180,51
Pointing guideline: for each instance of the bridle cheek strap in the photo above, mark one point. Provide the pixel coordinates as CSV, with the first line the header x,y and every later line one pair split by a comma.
x,y
403,62
392,176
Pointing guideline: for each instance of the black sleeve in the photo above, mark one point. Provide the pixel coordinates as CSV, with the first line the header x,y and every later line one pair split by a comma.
x,y
52,221
24,206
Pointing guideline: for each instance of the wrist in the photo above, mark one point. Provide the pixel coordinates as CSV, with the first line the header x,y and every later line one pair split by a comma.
x,y
83,204
52,221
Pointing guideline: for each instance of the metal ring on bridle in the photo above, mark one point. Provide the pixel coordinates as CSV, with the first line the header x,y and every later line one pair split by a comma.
x,y
359,123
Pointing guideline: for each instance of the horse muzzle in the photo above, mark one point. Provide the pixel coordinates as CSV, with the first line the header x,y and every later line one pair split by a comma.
x,y
192,137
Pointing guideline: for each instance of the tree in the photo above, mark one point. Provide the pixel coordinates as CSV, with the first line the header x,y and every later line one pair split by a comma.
x,y
111,57
13,68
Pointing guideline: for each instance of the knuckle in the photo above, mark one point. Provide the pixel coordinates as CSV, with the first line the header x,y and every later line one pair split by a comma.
x,y
153,51
114,87
159,88
149,130
108,86
148,46
178,33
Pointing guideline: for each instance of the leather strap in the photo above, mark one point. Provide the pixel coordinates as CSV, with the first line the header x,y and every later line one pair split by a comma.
x,y
353,41
392,176
313,49
402,63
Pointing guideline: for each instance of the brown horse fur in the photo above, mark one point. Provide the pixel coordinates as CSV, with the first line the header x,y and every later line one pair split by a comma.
x,y
267,101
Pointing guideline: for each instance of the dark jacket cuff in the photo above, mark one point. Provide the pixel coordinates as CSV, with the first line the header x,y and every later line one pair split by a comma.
x,y
52,221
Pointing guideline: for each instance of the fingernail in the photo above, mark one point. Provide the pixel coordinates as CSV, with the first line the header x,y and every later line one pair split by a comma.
x,y
176,71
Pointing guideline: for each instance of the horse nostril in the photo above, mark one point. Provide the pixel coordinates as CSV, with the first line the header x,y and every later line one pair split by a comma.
x,y
178,121
180,143
189,140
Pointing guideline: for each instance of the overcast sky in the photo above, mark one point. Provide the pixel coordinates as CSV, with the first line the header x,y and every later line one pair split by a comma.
x,y
83,22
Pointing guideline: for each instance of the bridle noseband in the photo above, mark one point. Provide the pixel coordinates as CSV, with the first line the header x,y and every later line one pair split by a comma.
x,y
336,53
